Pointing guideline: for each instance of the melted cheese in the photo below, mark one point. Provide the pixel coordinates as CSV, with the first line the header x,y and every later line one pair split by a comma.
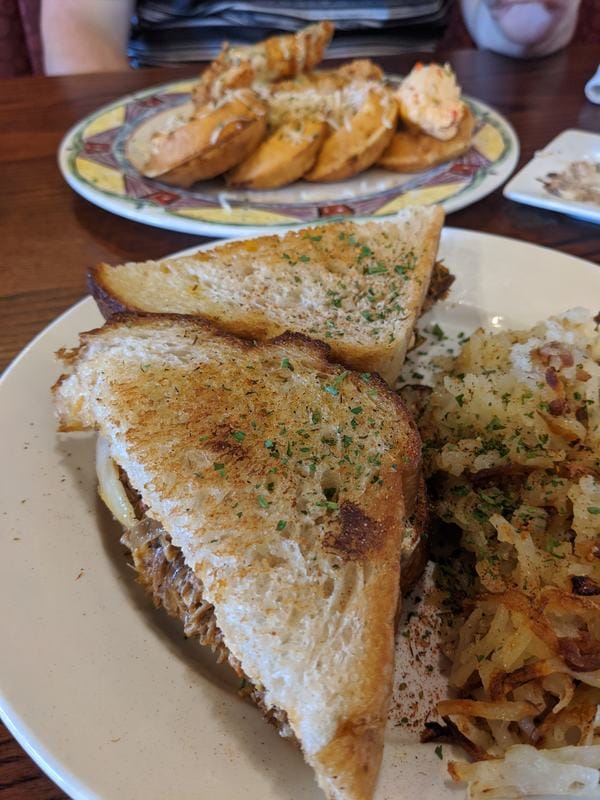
x,y
110,487
336,107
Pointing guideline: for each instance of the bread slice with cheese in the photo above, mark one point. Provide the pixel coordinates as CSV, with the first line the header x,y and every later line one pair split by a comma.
x,y
359,287
265,491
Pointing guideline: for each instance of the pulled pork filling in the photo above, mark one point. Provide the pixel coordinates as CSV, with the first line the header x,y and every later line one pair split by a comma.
x,y
163,572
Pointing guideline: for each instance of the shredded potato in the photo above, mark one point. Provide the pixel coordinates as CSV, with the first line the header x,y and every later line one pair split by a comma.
x,y
525,771
511,435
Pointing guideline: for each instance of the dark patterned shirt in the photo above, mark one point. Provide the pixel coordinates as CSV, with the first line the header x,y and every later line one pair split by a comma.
x,y
180,31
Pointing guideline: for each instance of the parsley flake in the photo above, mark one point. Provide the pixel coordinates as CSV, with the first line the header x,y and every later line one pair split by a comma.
x,y
328,504
438,332
377,269
494,424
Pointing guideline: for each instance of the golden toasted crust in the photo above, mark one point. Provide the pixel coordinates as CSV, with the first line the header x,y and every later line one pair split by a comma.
x,y
414,152
358,742
218,436
359,287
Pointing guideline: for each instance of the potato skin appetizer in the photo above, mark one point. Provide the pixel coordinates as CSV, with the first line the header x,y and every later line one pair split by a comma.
x,y
414,152
262,117
358,144
213,140
282,158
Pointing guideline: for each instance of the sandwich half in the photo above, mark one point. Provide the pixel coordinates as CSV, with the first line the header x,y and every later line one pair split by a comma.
x,y
360,287
265,493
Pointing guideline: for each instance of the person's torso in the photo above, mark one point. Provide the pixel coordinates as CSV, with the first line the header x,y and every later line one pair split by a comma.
x,y
178,31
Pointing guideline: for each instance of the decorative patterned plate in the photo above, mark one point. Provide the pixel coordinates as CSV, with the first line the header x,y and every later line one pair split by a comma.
x,y
97,160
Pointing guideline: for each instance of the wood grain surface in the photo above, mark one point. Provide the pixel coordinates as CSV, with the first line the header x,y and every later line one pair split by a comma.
x,y
49,236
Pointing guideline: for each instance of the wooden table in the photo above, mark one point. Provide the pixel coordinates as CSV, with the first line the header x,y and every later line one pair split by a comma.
x,y
49,236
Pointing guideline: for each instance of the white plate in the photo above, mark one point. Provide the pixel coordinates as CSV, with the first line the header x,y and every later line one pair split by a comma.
x,y
527,186
96,158
101,689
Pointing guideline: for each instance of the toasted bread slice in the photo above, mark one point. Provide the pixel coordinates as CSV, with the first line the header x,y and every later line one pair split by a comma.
x,y
358,287
286,482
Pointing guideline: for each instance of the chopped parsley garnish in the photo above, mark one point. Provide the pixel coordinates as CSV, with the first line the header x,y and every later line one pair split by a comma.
x,y
593,509
262,501
328,504
339,379
439,752
480,515
376,269
332,390
220,468
365,376
269,444
356,410
438,332
239,436
287,364
281,525
460,399
304,258
495,425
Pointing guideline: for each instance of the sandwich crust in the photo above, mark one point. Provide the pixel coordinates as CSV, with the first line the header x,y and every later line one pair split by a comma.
x,y
286,481
357,286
